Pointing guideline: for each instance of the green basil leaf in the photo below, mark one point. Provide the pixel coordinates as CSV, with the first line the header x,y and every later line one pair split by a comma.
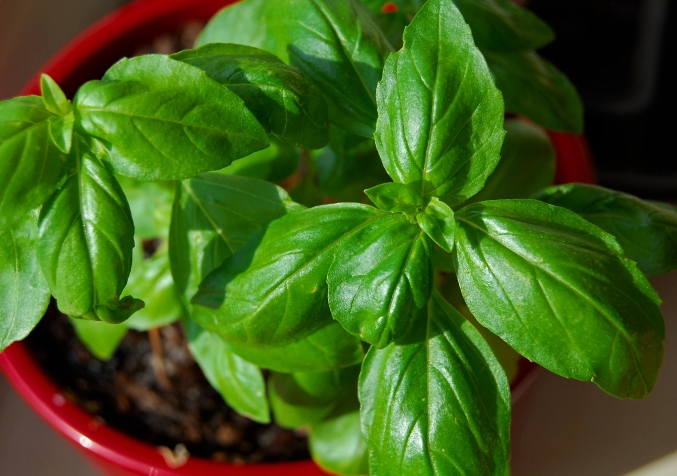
x,y
274,164
560,291
61,131
31,165
379,277
336,443
166,120
396,197
151,206
25,294
647,231
437,220
53,97
285,104
86,236
242,23
239,382
440,122
213,216
527,164
100,338
273,291
339,47
439,405
535,88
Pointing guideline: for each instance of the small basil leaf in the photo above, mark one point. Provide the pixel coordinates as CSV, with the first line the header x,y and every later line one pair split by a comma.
x,y
647,231
437,220
273,291
53,97
166,120
239,382
25,294
285,104
61,131
100,338
533,87
440,122
338,47
274,164
396,197
242,23
31,165
379,277
213,216
527,164
560,291
439,405
86,236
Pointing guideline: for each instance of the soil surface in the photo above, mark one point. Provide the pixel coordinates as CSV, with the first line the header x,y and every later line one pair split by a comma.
x,y
188,417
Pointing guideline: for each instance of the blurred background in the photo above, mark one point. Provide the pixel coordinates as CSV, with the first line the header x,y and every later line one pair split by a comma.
x,y
616,52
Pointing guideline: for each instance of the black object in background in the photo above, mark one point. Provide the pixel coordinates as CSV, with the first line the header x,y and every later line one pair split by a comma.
x,y
617,53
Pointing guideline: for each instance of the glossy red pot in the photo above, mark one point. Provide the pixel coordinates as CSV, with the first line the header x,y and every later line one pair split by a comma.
x,y
87,57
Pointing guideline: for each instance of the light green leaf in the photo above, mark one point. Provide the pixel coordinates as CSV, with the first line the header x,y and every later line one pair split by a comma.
x,y
166,120
31,165
54,99
25,295
274,164
86,236
151,206
534,88
285,104
101,338
379,277
396,197
647,231
61,131
437,220
560,291
440,124
527,164
242,23
239,382
438,405
273,291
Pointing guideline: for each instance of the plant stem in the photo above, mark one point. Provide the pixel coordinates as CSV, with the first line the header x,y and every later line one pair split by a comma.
x,y
157,360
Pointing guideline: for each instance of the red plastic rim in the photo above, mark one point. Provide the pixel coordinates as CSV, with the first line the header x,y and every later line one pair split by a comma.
x,y
85,58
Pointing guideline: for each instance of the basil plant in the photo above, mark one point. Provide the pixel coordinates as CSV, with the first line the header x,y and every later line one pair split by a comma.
x,y
307,200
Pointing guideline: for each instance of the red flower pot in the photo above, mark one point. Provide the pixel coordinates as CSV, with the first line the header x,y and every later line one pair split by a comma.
x,y
87,57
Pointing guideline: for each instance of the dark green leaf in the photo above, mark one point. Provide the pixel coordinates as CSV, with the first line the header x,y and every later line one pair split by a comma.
x,y
101,338
25,294
30,163
440,122
53,97
380,276
647,231
274,164
86,236
273,291
534,88
164,119
396,197
61,131
437,220
560,291
239,382
242,23
338,47
439,405
285,104
527,164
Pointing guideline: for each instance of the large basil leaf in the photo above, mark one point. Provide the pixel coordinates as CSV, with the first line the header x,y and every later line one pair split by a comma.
x,y
164,119
647,231
31,165
273,291
535,88
100,338
285,104
338,47
213,216
85,241
242,23
25,295
380,277
440,122
239,382
560,291
276,163
527,164
438,405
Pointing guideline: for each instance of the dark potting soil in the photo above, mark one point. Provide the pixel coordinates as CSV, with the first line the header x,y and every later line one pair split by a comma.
x,y
187,417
